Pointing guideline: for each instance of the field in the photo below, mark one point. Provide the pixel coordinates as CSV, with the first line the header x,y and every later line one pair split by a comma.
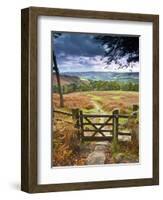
x,y
111,100
68,150
106,101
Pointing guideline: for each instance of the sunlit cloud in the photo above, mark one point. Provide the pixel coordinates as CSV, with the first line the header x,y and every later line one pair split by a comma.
x,y
97,63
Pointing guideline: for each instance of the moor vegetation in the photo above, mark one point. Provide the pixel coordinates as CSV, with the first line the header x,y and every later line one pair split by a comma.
x,y
107,100
73,100
66,145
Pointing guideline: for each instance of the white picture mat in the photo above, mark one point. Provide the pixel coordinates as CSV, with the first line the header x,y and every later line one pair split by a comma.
x,y
49,175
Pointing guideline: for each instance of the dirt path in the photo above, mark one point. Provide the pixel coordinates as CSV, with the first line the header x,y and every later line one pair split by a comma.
x,y
98,108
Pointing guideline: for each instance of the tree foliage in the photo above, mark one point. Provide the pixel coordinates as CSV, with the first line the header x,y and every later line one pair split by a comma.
x,y
98,86
117,47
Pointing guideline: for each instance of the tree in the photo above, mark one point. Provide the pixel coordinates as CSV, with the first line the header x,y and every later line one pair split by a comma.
x,y
117,47
55,68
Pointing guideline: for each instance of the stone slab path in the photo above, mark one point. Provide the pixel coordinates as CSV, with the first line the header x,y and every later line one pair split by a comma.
x,y
98,155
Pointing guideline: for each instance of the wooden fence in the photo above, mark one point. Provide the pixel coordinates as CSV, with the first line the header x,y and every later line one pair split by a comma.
x,y
98,127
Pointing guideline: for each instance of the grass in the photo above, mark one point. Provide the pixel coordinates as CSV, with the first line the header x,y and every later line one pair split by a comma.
x,y
66,145
116,98
128,152
94,97
108,100
74,100
90,111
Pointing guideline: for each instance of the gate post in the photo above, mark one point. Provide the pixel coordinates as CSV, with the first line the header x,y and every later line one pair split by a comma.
x,y
135,109
135,129
115,124
75,117
81,124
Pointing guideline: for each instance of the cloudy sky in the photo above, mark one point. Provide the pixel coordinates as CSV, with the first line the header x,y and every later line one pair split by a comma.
x,y
76,52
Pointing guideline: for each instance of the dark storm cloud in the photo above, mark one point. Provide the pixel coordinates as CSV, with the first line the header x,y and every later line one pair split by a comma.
x,y
83,52
77,44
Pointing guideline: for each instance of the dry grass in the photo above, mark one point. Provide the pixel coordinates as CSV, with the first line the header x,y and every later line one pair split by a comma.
x,y
66,145
117,99
74,100
108,100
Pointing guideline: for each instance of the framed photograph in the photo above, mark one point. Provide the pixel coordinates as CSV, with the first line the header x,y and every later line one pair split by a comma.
x,y
90,99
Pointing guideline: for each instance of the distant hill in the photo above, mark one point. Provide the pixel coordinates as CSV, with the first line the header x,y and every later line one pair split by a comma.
x,y
96,81
104,76
68,79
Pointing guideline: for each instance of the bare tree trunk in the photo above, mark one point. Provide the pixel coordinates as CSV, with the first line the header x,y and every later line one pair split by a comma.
x,y
58,80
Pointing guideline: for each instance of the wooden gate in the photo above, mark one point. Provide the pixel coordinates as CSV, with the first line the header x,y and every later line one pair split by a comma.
x,y
98,127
